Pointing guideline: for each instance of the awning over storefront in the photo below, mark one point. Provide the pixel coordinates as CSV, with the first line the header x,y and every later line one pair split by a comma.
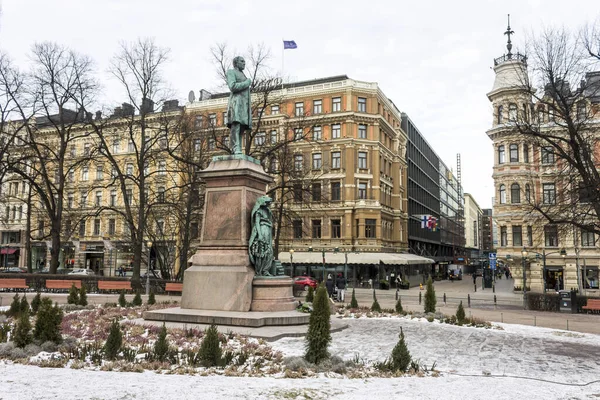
x,y
8,251
315,257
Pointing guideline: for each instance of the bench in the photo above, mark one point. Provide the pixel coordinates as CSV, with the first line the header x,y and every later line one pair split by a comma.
x,y
173,287
114,285
15,283
592,305
62,284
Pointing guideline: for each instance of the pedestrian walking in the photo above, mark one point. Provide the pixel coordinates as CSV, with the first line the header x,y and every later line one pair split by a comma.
x,y
329,286
341,286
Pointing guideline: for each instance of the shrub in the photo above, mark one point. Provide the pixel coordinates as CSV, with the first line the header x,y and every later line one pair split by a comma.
x,y
210,350
114,341
83,296
353,302
4,331
318,336
151,299
384,285
24,305
137,299
161,346
15,306
399,308
48,321
122,301
460,314
310,296
430,300
73,295
375,307
400,359
35,303
22,333
543,302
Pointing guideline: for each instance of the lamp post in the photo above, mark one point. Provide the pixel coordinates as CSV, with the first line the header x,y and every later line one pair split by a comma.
x,y
323,254
523,258
292,262
149,245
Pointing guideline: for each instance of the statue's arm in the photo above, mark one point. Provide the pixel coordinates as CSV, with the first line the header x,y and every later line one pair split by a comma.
x,y
235,86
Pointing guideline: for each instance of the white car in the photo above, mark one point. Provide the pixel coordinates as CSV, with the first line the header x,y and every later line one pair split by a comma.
x,y
82,271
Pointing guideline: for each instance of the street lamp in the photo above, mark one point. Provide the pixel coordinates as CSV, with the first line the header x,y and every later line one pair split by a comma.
x,y
292,262
524,256
149,245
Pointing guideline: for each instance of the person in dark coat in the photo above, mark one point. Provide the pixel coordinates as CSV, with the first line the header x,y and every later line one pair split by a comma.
x,y
329,286
341,286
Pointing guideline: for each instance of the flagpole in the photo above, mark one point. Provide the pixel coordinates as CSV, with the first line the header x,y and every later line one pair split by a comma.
x,y
282,59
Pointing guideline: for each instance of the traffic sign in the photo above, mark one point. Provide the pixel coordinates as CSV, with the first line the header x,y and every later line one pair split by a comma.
x,y
492,256
492,263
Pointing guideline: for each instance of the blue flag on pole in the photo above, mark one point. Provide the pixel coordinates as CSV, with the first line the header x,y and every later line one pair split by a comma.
x,y
289,44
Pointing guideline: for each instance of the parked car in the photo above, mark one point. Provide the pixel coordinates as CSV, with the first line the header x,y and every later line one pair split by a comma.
x,y
14,270
455,274
304,282
81,271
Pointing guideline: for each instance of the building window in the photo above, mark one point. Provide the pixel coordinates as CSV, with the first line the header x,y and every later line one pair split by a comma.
x,y
197,144
547,155
362,131
162,168
274,109
84,174
160,194
226,141
298,162
336,159
551,235
515,193
370,228
129,196
499,116
336,229
299,109
82,229
86,149
514,153
362,190
130,146
549,191
96,227
541,115
98,201
113,198
503,237
317,133
517,236
298,192
336,131
297,228
525,153
501,155
211,144
99,172
112,226
225,120
160,227
70,199
129,169
581,111
316,228
527,193
502,194
590,277
585,193
317,162
362,160
298,134
512,112
83,200
198,122
194,230
335,191
260,138
273,137
116,146
317,106
316,192
362,104
529,236
336,104
587,238
212,118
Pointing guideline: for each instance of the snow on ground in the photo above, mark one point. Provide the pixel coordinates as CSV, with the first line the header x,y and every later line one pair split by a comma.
x,y
476,363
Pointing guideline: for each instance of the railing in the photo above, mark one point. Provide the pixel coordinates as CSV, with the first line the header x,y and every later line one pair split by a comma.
x,y
511,57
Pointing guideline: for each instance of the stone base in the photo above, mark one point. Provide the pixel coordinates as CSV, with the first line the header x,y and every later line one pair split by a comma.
x,y
249,319
272,294
217,287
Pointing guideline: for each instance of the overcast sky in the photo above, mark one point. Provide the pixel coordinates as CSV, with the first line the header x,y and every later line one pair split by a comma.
x,y
432,58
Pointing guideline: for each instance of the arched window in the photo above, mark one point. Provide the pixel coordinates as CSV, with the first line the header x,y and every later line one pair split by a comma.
x,y
512,112
514,152
502,194
501,155
515,193
525,153
528,193
499,116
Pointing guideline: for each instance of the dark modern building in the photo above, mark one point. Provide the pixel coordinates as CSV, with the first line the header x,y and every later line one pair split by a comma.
x,y
487,240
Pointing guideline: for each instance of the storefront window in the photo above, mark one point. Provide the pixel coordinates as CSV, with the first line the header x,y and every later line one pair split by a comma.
x,y
590,278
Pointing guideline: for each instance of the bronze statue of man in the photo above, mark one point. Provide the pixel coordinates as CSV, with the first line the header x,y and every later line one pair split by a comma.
x,y
239,108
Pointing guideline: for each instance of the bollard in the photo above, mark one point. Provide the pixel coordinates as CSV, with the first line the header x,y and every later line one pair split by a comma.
x,y
495,304
502,317
468,300
444,298
494,287
396,294
534,320
567,324
475,285
419,297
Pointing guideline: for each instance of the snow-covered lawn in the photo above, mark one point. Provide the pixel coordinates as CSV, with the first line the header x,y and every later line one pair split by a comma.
x,y
475,363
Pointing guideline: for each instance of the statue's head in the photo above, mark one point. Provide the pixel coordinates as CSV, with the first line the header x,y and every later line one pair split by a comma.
x,y
264,200
239,63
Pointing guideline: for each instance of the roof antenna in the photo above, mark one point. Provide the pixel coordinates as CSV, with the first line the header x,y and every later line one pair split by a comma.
x,y
508,33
